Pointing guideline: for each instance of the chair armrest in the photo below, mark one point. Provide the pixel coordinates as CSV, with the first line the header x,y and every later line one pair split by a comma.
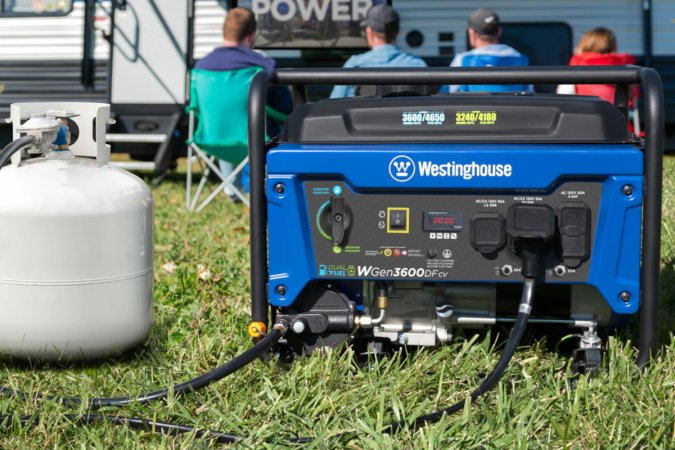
x,y
276,115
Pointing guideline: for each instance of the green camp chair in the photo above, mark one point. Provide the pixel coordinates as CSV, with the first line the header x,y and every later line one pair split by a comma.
x,y
219,102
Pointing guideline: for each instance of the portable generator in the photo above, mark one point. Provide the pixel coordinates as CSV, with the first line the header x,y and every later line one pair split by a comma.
x,y
408,217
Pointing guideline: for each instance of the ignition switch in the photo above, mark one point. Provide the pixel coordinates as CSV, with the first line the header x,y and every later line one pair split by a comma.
x,y
337,218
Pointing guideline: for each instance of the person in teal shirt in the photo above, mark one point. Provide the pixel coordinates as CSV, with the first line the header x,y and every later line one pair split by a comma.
x,y
382,27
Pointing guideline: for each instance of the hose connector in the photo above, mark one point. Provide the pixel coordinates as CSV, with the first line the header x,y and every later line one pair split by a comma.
x,y
382,300
45,130
281,325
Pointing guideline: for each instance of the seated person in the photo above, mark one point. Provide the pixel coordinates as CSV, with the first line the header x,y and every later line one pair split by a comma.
x,y
236,53
596,48
382,27
484,31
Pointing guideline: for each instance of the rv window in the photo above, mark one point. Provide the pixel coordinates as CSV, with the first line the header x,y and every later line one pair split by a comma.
x,y
24,8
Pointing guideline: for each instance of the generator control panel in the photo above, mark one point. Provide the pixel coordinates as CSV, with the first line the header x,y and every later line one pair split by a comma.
x,y
444,237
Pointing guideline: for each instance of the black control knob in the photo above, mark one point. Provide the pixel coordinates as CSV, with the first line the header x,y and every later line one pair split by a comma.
x,y
336,219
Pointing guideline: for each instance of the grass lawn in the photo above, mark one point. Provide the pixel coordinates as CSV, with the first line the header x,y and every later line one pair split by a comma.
x,y
201,314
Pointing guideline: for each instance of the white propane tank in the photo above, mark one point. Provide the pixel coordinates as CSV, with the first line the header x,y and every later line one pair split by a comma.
x,y
76,255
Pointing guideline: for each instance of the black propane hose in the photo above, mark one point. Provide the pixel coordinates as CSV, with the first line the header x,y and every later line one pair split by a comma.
x,y
186,387
14,147
131,422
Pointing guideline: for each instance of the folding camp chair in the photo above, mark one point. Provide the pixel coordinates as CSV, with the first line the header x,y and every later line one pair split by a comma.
x,y
219,102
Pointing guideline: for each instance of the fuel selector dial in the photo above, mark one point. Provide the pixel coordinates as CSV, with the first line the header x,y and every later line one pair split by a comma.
x,y
335,218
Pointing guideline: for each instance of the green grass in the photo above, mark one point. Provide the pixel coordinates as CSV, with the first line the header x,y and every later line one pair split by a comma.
x,y
200,323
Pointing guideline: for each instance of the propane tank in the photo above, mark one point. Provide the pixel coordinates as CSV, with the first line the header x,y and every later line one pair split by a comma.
x,y
76,237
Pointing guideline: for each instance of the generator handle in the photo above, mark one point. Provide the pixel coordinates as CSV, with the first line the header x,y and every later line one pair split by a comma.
x,y
651,213
461,75
258,204
652,155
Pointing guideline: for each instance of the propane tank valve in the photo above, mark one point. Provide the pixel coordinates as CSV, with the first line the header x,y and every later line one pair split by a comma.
x,y
44,129
50,130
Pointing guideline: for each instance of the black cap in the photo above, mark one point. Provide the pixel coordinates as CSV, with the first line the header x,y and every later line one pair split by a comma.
x,y
382,19
484,21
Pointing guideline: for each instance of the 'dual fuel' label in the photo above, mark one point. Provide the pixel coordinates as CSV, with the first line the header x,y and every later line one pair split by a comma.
x,y
349,270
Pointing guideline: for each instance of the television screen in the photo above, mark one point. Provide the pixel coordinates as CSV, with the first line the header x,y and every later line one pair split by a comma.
x,y
310,23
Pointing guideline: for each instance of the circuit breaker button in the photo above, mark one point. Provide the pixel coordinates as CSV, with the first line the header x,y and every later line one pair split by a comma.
x,y
487,231
398,220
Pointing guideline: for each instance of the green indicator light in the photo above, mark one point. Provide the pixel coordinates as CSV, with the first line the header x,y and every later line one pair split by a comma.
x,y
318,220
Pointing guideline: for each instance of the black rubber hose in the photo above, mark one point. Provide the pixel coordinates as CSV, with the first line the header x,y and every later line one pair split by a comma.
x,y
491,380
194,384
151,425
131,422
186,387
14,147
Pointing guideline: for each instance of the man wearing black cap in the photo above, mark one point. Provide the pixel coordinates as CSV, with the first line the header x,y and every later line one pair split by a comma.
x,y
484,32
382,27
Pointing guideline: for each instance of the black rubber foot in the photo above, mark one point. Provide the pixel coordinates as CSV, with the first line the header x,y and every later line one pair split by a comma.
x,y
587,361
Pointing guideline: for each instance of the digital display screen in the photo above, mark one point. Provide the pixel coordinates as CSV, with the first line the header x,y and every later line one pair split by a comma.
x,y
442,220
448,220
297,24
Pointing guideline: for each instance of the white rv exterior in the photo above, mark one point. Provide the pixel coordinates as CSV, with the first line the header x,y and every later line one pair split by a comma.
x,y
60,38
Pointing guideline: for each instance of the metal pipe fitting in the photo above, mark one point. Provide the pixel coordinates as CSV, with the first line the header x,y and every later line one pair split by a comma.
x,y
366,321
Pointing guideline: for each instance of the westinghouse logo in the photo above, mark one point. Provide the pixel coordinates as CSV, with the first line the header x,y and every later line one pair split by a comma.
x,y
402,168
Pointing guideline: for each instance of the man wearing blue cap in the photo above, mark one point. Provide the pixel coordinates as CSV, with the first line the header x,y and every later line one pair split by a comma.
x,y
382,27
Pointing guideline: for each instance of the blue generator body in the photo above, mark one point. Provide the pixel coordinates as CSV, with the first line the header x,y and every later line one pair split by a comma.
x,y
399,217
589,180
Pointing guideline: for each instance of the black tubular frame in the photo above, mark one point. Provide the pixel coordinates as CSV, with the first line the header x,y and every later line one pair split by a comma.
x,y
298,79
